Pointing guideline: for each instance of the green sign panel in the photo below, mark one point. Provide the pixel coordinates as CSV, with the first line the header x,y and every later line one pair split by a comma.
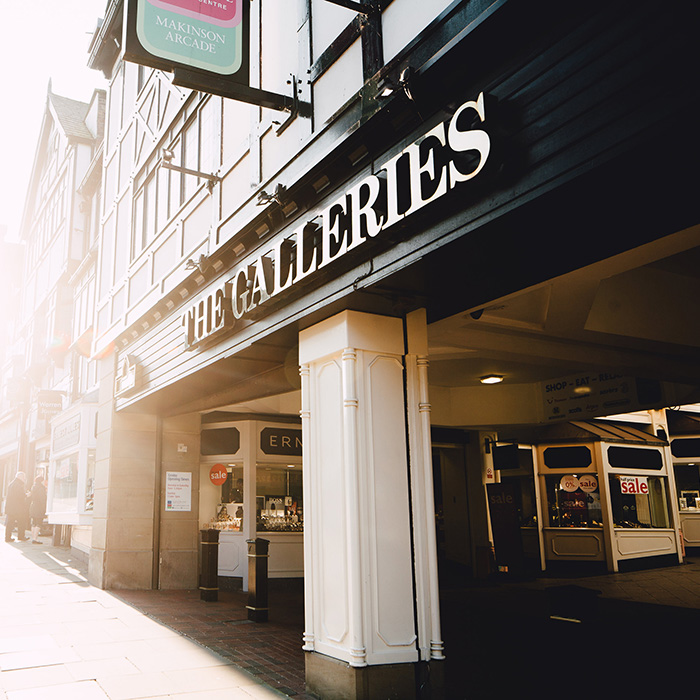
x,y
205,35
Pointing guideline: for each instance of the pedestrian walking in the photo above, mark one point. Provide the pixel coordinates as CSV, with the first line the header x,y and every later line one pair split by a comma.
x,y
16,507
37,506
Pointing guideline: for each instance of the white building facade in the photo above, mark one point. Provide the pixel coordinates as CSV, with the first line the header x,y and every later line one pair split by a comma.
x,y
320,290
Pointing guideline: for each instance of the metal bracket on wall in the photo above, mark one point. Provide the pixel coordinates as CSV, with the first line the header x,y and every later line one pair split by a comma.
x,y
243,93
280,127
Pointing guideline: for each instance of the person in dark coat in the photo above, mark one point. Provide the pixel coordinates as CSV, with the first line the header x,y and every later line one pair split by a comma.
x,y
16,507
37,506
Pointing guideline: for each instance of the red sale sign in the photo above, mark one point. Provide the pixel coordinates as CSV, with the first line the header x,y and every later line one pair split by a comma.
x,y
634,485
217,474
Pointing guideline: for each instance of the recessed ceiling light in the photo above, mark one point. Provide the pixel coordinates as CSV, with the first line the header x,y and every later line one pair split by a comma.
x,y
491,379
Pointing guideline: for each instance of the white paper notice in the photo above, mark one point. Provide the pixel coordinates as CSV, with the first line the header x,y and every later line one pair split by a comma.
x,y
178,491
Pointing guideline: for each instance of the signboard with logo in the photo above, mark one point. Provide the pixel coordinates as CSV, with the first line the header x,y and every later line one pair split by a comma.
x,y
67,434
281,441
211,36
49,404
588,395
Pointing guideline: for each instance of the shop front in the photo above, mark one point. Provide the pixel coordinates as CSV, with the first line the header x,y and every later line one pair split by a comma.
x,y
605,497
71,475
684,429
266,454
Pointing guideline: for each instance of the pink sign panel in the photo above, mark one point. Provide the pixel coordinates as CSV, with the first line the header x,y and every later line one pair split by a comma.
x,y
224,13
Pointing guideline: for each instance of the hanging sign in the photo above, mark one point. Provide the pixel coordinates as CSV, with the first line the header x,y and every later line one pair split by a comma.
x,y
205,35
49,404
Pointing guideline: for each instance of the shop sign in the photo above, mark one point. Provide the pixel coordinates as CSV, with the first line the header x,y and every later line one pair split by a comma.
x,y
417,176
588,483
205,35
218,474
636,485
49,404
281,441
569,483
67,434
128,379
208,318
587,395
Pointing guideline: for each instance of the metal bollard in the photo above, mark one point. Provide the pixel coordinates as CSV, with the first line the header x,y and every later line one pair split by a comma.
x,y
209,576
257,579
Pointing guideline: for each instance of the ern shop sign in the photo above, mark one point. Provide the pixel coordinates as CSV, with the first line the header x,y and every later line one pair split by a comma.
x,y
634,485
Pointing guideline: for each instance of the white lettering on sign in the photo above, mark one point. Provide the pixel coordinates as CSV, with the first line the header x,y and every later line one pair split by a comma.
x,y
634,485
208,317
434,164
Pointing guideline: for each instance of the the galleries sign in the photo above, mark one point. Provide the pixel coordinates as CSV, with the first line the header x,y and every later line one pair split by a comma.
x,y
207,35
450,154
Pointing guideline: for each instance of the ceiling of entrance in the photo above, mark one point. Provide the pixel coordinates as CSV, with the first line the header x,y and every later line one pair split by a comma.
x,y
634,314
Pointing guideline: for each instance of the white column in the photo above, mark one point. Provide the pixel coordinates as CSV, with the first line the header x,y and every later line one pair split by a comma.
x,y
425,541
358,568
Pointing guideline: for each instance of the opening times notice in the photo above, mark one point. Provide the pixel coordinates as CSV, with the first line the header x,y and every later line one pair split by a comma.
x,y
178,491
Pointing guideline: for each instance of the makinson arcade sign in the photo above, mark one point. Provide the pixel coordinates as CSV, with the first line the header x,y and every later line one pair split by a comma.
x,y
431,166
205,35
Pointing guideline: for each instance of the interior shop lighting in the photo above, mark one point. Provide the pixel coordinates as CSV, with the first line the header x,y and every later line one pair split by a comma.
x,y
491,379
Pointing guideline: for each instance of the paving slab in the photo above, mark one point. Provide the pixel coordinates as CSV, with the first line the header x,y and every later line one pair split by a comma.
x,y
61,638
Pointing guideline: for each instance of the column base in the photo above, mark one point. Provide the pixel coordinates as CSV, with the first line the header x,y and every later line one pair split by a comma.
x,y
331,679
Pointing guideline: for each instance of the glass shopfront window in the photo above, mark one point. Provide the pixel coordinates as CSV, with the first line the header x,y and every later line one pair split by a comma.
x,y
229,513
515,467
90,482
573,500
65,484
687,472
688,486
639,501
279,501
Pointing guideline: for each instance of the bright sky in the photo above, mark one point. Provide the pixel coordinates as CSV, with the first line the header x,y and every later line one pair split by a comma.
x,y
42,40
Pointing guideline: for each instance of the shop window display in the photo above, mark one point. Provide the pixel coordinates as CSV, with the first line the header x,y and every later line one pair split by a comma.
x,y
688,485
90,481
574,501
279,503
229,513
639,501
65,486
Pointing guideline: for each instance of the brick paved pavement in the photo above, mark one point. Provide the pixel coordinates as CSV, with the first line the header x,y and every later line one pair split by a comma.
x,y
270,651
